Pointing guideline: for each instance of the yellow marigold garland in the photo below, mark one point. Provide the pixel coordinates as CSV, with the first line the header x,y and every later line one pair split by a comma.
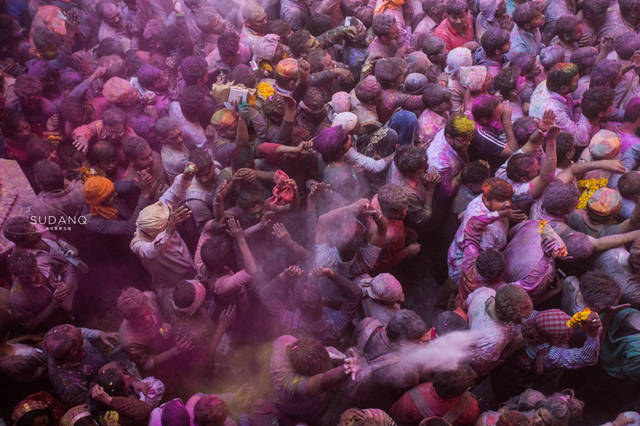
x,y
579,317
589,186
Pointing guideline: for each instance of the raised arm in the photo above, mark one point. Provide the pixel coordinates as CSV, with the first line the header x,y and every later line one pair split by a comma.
x,y
235,230
548,168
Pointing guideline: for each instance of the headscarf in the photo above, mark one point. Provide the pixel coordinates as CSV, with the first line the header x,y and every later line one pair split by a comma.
x,y
405,123
457,58
415,83
198,300
119,91
368,89
388,4
38,401
224,118
74,414
340,102
266,47
473,77
98,189
152,220
604,145
356,416
288,68
605,202
347,120
381,142
548,328
283,191
384,287
132,302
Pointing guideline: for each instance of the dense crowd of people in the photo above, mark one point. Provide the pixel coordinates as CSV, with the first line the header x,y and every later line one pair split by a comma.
x,y
305,212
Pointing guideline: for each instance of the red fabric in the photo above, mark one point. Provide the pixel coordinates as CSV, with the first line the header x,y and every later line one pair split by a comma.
x,y
16,150
404,410
267,150
451,37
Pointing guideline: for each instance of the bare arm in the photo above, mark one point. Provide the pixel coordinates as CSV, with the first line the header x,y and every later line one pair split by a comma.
x,y
548,169
611,241
247,257
578,169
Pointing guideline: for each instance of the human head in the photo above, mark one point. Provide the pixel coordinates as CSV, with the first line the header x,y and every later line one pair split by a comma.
x,y
216,253
20,231
522,168
508,82
512,418
29,90
102,154
405,123
629,184
410,160
559,199
380,143
523,128
168,129
415,83
569,29
191,101
209,21
435,50
47,42
486,109
308,357
112,381
390,72
16,126
74,110
606,73
194,68
210,410
526,63
563,78
138,152
47,74
255,17
393,201
584,58
63,343
473,175
132,303
597,102
456,59
457,14
119,91
630,11
405,326
48,175
152,78
228,44
528,17
453,383
174,413
435,9
206,171
496,194
287,73
368,90
513,304
459,131
437,98
22,265
319,23
548,326
604,203
385,27
115,122
38,149
495,42
110,14
595,11
332,143
550,56
632,111
302,42
599,290
243,74
448,322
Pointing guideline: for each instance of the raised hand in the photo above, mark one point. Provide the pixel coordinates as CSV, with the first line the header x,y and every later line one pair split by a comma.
x,y
548,120
280,232
320,271
235,230
81,144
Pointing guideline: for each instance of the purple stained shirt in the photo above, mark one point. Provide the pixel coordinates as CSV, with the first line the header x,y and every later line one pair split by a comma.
x,y
495,235
447,161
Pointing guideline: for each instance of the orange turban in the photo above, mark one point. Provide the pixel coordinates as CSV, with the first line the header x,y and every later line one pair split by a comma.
x,y
98,189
